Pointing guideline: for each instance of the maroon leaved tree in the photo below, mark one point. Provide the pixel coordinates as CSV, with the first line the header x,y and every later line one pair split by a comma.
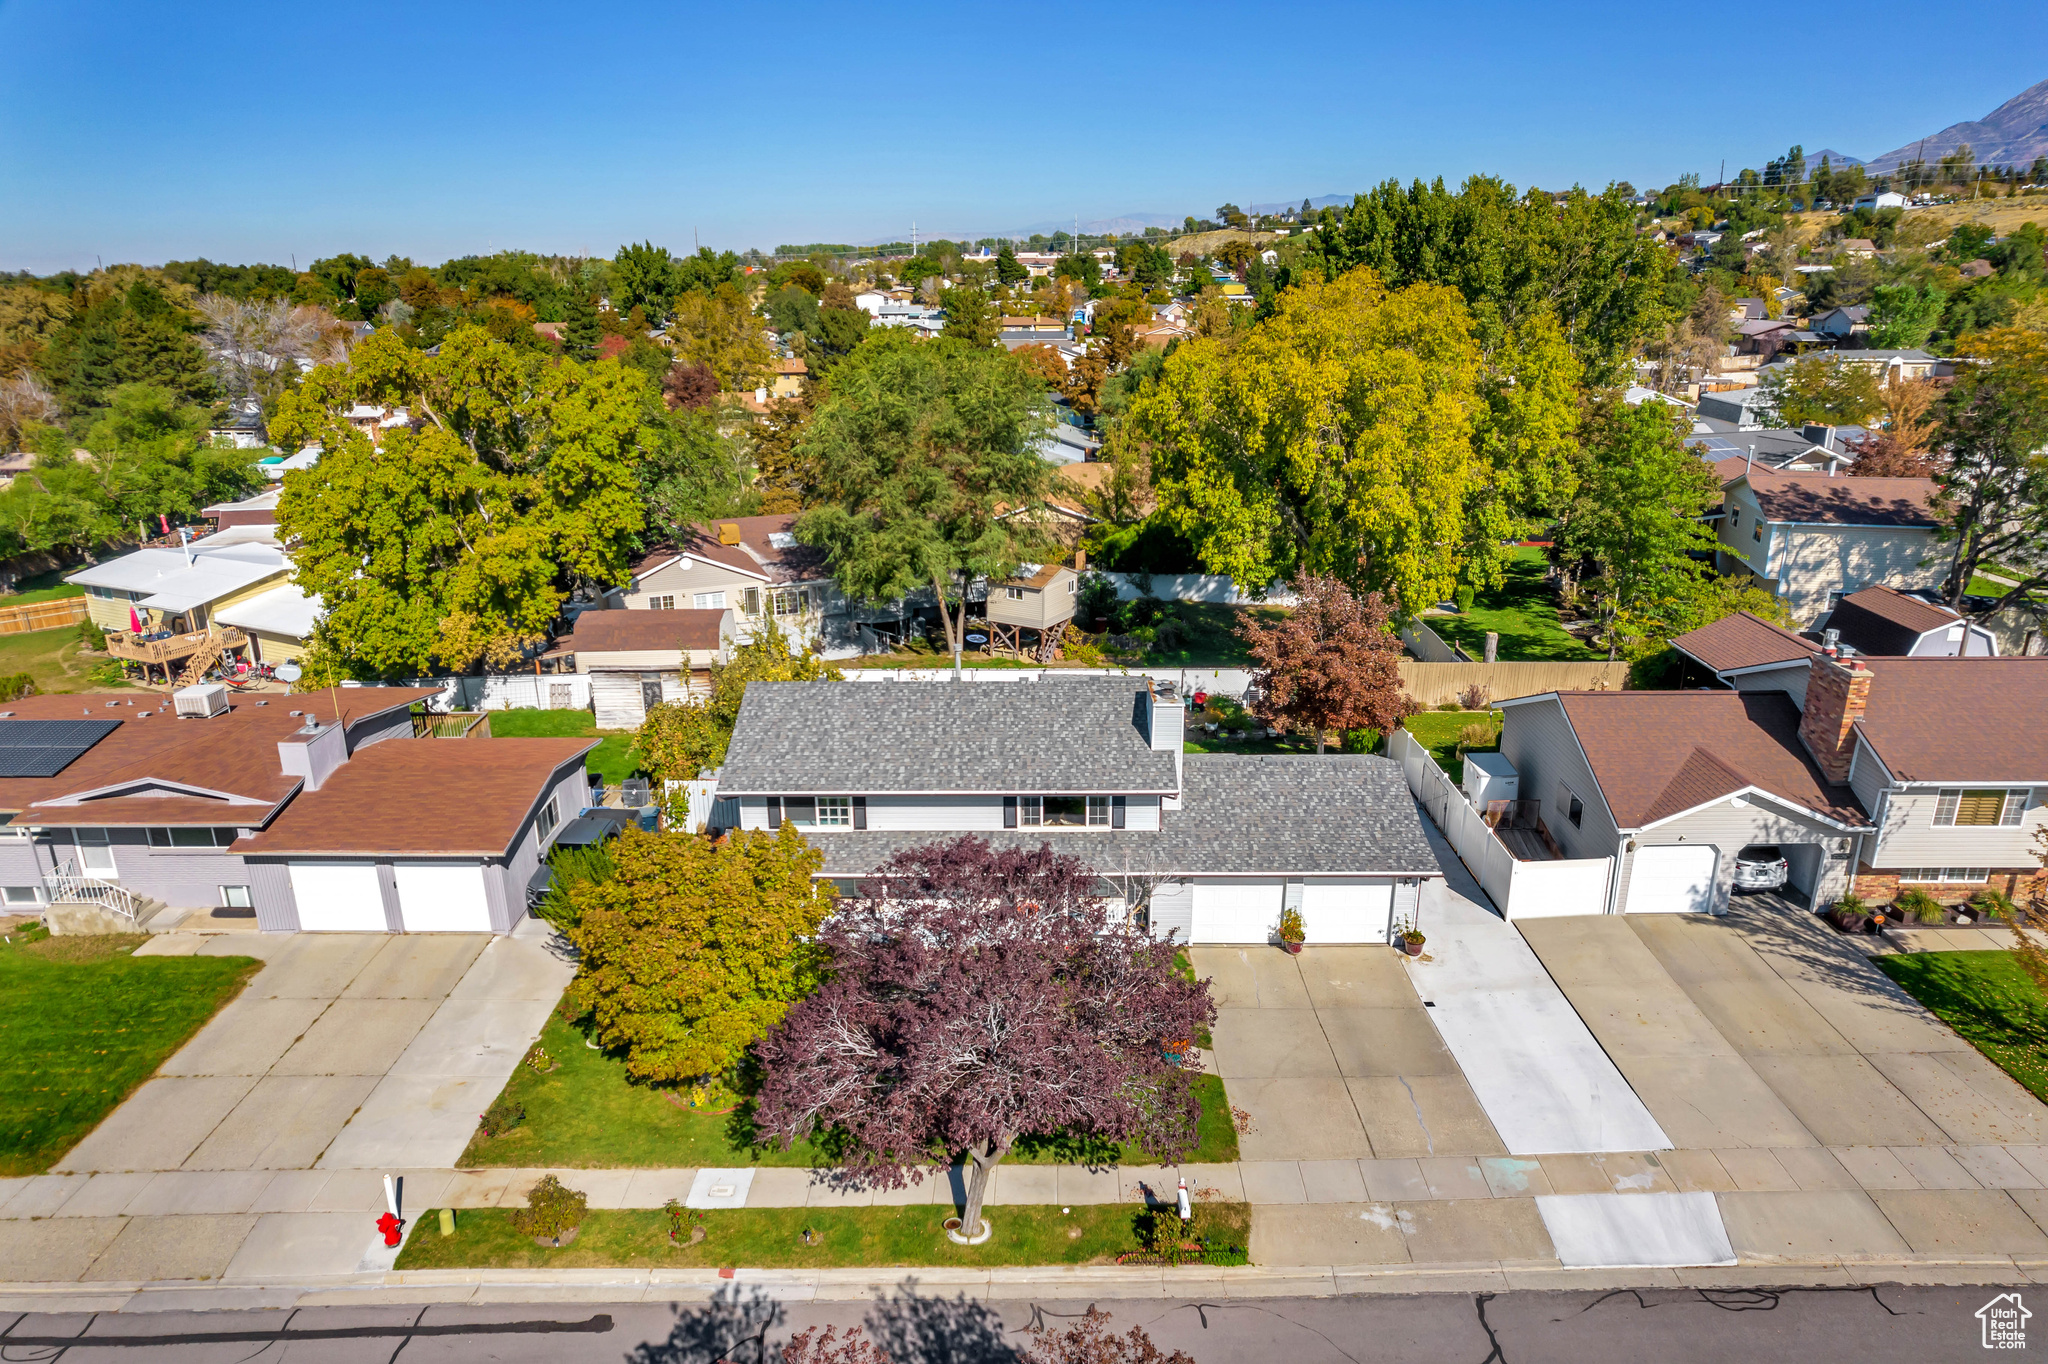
x,y
1334,663
1090,1341
689,386
978,994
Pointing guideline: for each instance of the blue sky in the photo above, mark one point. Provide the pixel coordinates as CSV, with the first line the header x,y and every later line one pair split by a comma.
x,y
258,132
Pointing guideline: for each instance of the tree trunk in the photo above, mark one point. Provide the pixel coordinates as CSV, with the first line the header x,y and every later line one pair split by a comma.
x,y
955,623
984,1163
1319,740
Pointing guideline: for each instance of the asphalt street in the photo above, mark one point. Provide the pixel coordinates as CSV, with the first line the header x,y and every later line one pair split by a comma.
x,y
1870,1325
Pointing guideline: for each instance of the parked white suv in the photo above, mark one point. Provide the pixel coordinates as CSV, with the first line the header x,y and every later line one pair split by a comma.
x,y
1761,866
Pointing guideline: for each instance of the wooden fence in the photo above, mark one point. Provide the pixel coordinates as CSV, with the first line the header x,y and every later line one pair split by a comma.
x,y
41,615
1435,683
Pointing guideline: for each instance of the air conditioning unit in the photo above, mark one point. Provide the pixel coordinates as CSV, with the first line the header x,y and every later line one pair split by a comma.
x,y
1490,777
201,702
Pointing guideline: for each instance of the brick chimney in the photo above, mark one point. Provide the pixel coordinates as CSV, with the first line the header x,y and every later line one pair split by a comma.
x,y
1837,694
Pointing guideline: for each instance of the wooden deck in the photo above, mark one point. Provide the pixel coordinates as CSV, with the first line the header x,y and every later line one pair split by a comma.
x,y
163,652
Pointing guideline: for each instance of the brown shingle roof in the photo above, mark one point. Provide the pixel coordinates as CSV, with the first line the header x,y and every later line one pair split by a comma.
x,y
620,631
1659,753
1743,641
234,755
755,555
1959,719
1815,498
443,797
1879,620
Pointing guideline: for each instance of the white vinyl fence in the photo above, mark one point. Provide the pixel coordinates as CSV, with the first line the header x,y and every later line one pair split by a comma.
x,y
1520,890
506,691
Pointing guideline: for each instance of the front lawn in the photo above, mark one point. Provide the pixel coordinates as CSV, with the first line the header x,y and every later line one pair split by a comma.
x,y
1990,1002
614,759
1441,731
1524,614
84,1023
774,1238
586,1114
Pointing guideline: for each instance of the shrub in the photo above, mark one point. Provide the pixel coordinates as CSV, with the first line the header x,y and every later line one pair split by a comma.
x,y
1474,697
1291,927
1476,735
91,636
15,687
502,1116
552,1210
1465,596
1916,903
571,867
1448,705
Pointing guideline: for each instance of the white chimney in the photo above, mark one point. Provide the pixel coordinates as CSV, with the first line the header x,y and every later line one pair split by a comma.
x,y
312,752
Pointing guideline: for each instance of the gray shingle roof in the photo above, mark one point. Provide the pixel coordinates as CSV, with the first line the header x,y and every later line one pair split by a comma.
x,y
1314,816
849,738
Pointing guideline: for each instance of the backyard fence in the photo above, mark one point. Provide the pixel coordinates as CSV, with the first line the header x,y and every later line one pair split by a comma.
x,y
1429,646
1199,587
1432,684
1520,890
41,615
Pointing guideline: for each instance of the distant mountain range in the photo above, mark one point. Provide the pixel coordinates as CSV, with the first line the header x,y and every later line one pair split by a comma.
x,y
2013,134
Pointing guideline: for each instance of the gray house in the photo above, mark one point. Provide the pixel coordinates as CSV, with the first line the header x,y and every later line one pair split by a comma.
x,y
1211,848
318,812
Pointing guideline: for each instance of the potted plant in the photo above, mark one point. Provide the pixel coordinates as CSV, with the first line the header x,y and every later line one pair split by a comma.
x,y
1849,914
1992,904
1292,931
1409,938
1917,904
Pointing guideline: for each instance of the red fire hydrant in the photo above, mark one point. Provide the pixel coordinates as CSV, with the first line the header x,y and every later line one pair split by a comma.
x,y
390,1226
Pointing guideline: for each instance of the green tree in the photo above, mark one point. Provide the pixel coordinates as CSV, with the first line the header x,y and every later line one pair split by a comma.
x,y
643,277
458,542
793,309
917,451
971,316
1645,630
1511,257
1903,316
840,330
719,328
1822,389
1992,490
692,950
1079,266
581,330
1336,438
680,738
1010,270
1635,517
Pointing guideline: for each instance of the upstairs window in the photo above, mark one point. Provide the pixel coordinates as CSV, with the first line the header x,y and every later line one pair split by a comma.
x,y
835,812
1098,812
709,601
1961,807
661,603
1063,812
750,601
191,838
1758,533
1014,593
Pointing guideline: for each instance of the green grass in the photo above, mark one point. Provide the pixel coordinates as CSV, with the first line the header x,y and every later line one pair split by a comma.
x,y
1990,1002
45,586
1522,612
52,658
1208,636
84,1023
772,1238
614,759
587,1114
1439,730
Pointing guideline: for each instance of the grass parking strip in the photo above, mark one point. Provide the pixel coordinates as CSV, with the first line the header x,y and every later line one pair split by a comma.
x,y
773,1238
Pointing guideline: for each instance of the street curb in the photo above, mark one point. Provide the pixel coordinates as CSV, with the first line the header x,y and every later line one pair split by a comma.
x,y
1095,1282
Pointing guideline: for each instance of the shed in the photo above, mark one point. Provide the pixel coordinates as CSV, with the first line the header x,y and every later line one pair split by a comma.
x,y
638,659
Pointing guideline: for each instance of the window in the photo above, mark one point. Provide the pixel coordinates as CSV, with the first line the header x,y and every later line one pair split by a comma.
x,y
548,819
1098,812
790,601
1758,533
835,812
1979,809
709,601
236,897
1031,811
13,831
21,895
191,838
1952,876
95,852
1063,812
1074,588
1576,812
661,603
1014,593
801,811
750,601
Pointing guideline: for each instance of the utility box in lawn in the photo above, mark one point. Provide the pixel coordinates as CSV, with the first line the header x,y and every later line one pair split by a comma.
x,y
1490,777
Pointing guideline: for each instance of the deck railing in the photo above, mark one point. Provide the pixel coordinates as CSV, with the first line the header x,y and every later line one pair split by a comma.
x,y
161,652
67,883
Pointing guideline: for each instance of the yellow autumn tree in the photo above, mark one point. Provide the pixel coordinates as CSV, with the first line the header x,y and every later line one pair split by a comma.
x,y
1336,437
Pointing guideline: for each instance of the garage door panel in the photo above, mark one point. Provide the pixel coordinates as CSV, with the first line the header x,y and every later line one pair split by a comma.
x,y
1346,910
1672,879
1237,911
338,897
442,897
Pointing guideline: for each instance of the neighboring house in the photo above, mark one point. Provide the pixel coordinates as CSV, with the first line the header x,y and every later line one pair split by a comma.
x,y
1842,323
1733,410
1882,199
311,812
1880,620
1209,848
1858,248
1977,269
1066,443
1810,538
1764,336
278,623
240,427
1747,653
871,302
751,566
177,595
1906,364
260,510
639,659
275,467
790,374
14,466
1035,326
376,422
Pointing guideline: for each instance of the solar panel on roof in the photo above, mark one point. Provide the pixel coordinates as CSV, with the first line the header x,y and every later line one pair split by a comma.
x,y
43,748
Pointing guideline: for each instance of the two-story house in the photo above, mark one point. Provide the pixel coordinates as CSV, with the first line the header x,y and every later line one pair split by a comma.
x,y
1211,848
1867,773
321,811
1812,538
751,566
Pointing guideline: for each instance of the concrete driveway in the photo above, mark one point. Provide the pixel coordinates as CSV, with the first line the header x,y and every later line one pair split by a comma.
x,y
1335,1058
346,1050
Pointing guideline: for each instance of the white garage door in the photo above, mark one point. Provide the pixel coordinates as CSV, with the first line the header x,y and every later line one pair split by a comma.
x,y
1245,910
442,897
338,897
1677,879
1346,909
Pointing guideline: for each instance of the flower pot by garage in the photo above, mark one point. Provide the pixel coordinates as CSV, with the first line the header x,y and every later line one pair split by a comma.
x,y
1413,947
1293,947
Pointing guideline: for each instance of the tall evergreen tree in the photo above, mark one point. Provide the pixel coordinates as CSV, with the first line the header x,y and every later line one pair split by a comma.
x,y
582,331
